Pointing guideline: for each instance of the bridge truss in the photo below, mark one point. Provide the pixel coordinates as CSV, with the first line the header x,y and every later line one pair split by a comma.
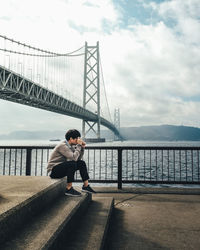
x,y
15,88
23,88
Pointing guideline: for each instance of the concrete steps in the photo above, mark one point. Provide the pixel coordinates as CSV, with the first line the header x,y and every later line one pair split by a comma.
x,y
47,219
46,230
92,228
23,197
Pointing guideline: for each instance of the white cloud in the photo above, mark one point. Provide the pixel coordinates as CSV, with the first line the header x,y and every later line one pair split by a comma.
x,y
90,14
149,70
151,62
19,117
186,16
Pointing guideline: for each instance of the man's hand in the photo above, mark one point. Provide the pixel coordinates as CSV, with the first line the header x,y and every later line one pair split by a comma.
x,y
81,142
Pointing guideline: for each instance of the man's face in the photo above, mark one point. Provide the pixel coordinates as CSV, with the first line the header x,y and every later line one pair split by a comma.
x,y
73,141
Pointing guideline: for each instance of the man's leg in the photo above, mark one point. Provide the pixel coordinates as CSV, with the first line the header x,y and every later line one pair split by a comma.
x,y
81,165
68,169
71,169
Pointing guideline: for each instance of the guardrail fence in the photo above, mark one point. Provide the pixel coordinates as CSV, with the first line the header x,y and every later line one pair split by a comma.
x,y
169,165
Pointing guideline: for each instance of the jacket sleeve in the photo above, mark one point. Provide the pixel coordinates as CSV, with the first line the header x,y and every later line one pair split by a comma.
x,y
68,154
81,154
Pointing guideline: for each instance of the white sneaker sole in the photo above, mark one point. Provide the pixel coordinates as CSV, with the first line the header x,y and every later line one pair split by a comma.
x,y
85,191
74,195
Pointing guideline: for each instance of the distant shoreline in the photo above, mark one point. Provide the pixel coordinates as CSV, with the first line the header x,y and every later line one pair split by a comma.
x,y
143,133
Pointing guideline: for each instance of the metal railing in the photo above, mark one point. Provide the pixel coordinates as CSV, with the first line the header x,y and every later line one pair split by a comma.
x,y
106,164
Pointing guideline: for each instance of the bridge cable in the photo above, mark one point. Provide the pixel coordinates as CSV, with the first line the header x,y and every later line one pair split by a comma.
x,y
41,50
39,55
105,89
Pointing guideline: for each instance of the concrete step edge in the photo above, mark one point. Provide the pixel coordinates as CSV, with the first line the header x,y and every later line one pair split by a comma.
x,y
106,229
68,225
93,228
15,217
46,230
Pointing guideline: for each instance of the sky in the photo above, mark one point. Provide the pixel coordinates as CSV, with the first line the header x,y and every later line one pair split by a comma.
x,y
150,53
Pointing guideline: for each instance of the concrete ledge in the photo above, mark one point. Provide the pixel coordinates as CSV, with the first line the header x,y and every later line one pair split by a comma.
x,y
46,230
92,229
22,197
154,221
71,220
108,221
144,190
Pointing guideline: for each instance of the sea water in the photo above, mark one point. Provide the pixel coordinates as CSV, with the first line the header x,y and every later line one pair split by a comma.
x,y
108,165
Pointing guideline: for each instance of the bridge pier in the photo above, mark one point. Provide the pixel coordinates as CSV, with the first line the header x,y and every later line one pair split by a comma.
x,y
91,90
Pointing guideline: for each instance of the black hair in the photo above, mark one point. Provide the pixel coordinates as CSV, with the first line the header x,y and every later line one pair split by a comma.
x,y
72,133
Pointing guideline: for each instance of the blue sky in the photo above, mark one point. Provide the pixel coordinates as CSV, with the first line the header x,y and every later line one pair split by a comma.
x,y
150,52
134,12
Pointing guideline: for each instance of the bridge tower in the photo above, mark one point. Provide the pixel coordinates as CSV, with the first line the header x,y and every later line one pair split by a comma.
x,y
117,121
91,90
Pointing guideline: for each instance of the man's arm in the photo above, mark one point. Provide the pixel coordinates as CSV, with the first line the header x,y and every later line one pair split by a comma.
x,y
83,144
81,154
68,154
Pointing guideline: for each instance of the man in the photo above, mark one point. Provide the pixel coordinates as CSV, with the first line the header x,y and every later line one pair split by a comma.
x,y
65,160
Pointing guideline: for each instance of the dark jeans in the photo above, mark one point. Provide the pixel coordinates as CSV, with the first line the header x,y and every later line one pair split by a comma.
x,y
68,169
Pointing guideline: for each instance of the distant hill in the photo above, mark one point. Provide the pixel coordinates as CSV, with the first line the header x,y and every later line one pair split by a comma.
x,y
151,133
163,132
33,135
159,133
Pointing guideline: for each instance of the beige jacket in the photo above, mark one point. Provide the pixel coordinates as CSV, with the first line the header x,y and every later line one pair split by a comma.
x,y
64,152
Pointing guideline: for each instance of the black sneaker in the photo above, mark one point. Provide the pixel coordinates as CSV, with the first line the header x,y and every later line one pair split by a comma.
x,y
72,192
88,189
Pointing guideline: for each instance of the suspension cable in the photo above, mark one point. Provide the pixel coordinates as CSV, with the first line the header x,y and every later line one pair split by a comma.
x,y
105,89
50,54
39,55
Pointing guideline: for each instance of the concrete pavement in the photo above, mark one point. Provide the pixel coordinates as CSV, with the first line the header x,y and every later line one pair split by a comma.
x,y
160,218
155,221
16,189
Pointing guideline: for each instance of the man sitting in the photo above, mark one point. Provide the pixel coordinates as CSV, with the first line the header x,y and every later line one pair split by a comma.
x,y
66,159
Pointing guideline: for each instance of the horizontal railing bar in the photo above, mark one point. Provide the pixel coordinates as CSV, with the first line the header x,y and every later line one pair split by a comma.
x,y
112,147
140,182
99,181
112,164
161,182
145,147
27,147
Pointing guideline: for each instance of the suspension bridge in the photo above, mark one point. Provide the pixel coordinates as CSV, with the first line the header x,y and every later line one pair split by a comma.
x,y
55,81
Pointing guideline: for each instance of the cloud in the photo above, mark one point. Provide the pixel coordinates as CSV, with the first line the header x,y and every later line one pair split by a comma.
x,y
90,14
16,117
151,64
155,68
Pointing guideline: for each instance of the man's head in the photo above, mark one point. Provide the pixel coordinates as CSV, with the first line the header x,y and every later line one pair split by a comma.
x,y
72,135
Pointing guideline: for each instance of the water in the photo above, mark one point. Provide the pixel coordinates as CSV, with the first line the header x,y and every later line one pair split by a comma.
x,y
109,143
108,161
127,167
151,143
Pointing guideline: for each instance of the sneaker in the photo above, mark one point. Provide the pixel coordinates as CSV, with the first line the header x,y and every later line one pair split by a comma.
x,y
88,189
72,192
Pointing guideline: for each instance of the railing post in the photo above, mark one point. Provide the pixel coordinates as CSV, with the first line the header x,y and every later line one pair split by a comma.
x,y
119,168
28,161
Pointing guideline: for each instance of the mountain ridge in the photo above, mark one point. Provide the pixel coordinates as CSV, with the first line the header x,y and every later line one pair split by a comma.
x,y
152,133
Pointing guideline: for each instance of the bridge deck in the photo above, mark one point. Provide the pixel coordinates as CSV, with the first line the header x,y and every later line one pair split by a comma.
x,y
16,88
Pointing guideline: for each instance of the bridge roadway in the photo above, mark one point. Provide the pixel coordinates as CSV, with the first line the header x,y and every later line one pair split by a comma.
x,y
16,88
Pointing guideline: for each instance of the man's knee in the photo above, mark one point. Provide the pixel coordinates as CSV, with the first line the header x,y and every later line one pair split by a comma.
x,y
72,163
81,163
